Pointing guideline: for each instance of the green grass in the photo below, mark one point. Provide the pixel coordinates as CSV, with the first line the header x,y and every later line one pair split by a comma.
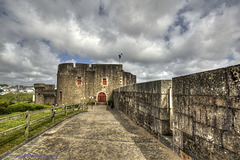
x,y
11,114
17,97
15,138
16,113
21,120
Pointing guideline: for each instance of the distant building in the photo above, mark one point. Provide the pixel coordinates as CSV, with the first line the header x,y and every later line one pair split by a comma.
x,y
16,89
81,83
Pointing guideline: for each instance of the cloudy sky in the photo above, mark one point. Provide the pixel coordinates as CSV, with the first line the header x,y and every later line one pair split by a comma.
x,y
159,39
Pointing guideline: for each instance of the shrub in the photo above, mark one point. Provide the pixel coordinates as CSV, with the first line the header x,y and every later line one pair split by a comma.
x,y
89,102
4,110
4,103
18,97
22,107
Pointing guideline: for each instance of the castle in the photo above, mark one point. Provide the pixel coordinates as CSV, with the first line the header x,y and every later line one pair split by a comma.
x,y
196,115
80,83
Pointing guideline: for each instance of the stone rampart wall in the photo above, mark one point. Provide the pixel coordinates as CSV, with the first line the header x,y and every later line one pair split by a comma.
x,y
147,104
206,109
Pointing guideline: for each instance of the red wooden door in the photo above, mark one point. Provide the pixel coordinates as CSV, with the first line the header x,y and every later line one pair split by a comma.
x,y
101,97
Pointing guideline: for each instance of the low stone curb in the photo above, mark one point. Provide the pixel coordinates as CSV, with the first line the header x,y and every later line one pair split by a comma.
x,y
33,137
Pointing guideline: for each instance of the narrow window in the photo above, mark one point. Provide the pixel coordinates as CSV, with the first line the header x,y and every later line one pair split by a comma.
x,y
79,81
60,96
104,81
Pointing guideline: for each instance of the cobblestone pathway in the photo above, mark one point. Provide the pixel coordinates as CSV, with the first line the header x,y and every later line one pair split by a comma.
x,y
100,133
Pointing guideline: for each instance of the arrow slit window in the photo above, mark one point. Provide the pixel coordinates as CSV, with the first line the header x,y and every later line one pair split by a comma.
x,y
60,95
104,81
79,81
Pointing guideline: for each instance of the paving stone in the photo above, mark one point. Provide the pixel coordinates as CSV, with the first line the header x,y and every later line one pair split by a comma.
x,y
101,133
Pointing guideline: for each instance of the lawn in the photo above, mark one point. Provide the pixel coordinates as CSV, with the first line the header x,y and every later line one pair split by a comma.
x,y
21,120
15,138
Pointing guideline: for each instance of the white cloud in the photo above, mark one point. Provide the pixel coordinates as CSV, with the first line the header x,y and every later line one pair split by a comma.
x,y
23,66
158,39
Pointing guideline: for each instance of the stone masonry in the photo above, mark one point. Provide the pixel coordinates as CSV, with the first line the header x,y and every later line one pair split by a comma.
x,y
206,112
197,115
45,94
80,83
148,104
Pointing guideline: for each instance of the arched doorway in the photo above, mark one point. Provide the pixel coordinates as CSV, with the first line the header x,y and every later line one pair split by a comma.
x,y
101,97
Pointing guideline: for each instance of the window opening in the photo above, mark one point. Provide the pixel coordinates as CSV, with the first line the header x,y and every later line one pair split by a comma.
x,y
104,81
79,81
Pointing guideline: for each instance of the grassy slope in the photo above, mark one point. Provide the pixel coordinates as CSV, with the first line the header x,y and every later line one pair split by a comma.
x,y
13,139
21,120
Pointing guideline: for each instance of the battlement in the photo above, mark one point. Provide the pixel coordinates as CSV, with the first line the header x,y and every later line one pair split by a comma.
x,y
68,67
107,66
39,85
43,86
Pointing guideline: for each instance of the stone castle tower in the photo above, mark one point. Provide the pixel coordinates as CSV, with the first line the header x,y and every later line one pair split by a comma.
x,y
80,83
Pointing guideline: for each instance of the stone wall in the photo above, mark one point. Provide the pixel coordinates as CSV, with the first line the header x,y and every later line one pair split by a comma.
x,y
45,93
147,104
206,112
91,81
206,108
67,83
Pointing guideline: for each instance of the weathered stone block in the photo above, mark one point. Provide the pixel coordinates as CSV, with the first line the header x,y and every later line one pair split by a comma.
x,y
188,125
237,122
235,102
185,105
188,144
156,100
212,135
178,138
158,127
165,86
176,120
164,127
155,124
177,86
202,100
211,116
155,111
224,118
221,102
203,115
231,142
217,136
164,101
220,153
181,122
202,148
205,83
164,114
198,129
233,75
198,112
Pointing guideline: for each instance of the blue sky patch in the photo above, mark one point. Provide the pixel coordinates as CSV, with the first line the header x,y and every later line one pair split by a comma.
x,y
21,43
65,57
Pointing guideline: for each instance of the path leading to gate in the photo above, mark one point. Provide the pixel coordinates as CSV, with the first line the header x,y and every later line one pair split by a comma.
x,y
100,133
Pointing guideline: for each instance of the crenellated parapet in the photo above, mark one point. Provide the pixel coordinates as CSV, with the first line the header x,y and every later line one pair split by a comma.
x,y
71,68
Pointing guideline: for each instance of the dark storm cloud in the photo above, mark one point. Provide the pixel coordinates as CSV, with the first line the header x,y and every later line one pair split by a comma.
x,y
158,39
